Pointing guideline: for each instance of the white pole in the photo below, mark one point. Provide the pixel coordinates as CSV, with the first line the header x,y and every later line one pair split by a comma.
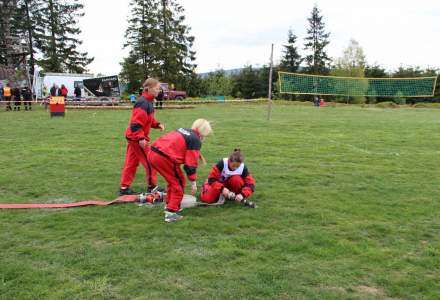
x,y
269,111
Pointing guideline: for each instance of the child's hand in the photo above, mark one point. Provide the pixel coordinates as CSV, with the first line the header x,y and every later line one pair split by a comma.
x,y
239,198
161,127
193,188
143,143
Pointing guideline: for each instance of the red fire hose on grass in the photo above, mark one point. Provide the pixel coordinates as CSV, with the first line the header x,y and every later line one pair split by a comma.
x,y
121,199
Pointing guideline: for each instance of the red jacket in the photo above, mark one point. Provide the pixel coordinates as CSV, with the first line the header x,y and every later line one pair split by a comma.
x,y
64,91
182,146
142,119
216,176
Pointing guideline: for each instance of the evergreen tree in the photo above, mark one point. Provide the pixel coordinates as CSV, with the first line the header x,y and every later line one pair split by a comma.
x,y
14,46
317,39
132,73
375,71
4,29
176,55
193,85
246,83
291,60
28,12
262,88
9,33
57,36
143,40
217,84
159,43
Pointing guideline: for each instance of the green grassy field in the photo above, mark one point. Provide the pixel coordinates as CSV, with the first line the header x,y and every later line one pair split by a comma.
x,y
348,208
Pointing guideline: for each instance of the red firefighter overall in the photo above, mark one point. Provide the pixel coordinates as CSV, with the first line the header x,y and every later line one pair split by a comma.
x,y
142,119
230,178
169,152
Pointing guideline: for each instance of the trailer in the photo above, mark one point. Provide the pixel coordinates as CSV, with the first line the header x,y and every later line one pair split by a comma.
x,y
103,86
43,83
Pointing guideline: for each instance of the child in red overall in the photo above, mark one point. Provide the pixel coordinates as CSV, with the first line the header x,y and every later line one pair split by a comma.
x,y
169,152
230,178
137,135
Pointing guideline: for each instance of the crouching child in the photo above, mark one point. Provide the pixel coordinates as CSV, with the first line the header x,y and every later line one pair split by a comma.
x,y
229,179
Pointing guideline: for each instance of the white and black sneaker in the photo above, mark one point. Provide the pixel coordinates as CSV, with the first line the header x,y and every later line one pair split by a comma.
x,y
156,188
249,204
172,217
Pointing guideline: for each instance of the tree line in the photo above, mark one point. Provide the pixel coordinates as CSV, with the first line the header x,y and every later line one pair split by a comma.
x,y
159,44
315,61
45,32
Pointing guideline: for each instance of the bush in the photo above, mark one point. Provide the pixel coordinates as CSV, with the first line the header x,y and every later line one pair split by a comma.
x,y
387,104
400,101
426,105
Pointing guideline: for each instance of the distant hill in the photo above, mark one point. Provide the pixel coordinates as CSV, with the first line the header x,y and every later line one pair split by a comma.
x,y
227,72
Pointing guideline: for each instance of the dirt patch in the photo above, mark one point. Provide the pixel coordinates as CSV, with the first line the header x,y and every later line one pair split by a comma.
x,y
373,291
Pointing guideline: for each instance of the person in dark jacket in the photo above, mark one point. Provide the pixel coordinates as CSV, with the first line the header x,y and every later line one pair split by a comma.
x,y
77,93
1,92
159,99
17,98
54,90
27,98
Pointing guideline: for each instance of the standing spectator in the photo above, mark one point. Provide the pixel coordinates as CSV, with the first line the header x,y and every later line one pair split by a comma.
x,y
45,92
17,98
1,91
316,101
159,99
64,91
7,94
77,93
27,98
54,90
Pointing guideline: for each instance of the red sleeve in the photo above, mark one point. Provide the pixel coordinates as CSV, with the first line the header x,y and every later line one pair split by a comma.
x,y
191,163
215,173
138,122
249,186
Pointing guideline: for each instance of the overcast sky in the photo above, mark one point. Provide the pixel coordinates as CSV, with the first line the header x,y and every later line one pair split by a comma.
x,y
233,33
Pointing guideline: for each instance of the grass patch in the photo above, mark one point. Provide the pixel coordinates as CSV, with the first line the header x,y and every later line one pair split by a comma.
x,y
348,208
